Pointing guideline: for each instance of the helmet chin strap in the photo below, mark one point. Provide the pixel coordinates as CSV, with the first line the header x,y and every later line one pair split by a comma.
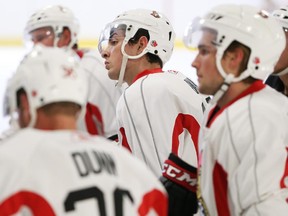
x,y
223,88
32,119
56,39
122,71
124,62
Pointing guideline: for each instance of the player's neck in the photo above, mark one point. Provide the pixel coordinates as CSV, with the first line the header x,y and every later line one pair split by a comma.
x,y
138,66
234,91
57,122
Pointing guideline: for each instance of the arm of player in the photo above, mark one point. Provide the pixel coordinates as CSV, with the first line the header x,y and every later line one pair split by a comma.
x,y
180,181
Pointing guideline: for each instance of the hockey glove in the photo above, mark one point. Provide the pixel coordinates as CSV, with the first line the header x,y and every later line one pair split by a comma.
x,y
180,181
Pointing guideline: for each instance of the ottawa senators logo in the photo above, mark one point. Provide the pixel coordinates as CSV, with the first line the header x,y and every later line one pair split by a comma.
x,y
68,71
34,93
154,43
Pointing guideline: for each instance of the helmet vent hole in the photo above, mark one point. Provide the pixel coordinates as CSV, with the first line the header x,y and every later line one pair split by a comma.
x,y
170,35
156,52
257,67
222,38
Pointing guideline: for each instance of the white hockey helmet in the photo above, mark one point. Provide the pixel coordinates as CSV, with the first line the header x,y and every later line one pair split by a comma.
x,y
251,27
161,32
47,75
57,17
281,15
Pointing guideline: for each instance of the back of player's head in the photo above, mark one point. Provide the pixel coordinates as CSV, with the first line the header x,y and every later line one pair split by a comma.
x,y
160,32
48,75
245,25
57,17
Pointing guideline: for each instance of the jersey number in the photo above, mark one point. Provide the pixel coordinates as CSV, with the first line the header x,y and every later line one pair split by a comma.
x,y
38,206
95,193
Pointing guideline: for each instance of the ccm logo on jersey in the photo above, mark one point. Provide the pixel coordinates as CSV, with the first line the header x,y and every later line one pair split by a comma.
x,y
179,175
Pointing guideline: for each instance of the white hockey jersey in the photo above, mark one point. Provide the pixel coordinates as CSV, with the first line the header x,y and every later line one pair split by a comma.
x,y
243,155
158,114
100,117
49,173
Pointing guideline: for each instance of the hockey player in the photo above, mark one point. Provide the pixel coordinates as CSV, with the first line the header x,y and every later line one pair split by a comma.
x,y
243,142
56,25
100,117
279,79
49,168
160,112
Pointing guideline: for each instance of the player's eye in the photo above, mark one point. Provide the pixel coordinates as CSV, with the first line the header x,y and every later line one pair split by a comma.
x,y
40,37
204,51
113,42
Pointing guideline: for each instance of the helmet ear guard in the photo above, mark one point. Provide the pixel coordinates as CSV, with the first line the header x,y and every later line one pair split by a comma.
x,y
48,75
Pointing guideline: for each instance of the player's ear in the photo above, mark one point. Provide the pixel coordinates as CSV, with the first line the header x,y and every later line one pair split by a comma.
x,y
65,37
232,61
142,43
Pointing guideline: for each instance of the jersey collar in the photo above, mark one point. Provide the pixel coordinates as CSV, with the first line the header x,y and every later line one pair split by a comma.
x,y
147,72
256,86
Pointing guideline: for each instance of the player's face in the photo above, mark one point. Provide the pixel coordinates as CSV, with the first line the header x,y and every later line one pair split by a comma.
x,y
43,36
46,37
283,60
113,55
209,78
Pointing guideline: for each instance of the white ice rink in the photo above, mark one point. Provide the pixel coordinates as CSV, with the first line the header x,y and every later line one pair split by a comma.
x,y
11,56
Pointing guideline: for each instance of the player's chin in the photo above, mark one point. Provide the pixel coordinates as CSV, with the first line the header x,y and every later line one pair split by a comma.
x,y
112,75
203,89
